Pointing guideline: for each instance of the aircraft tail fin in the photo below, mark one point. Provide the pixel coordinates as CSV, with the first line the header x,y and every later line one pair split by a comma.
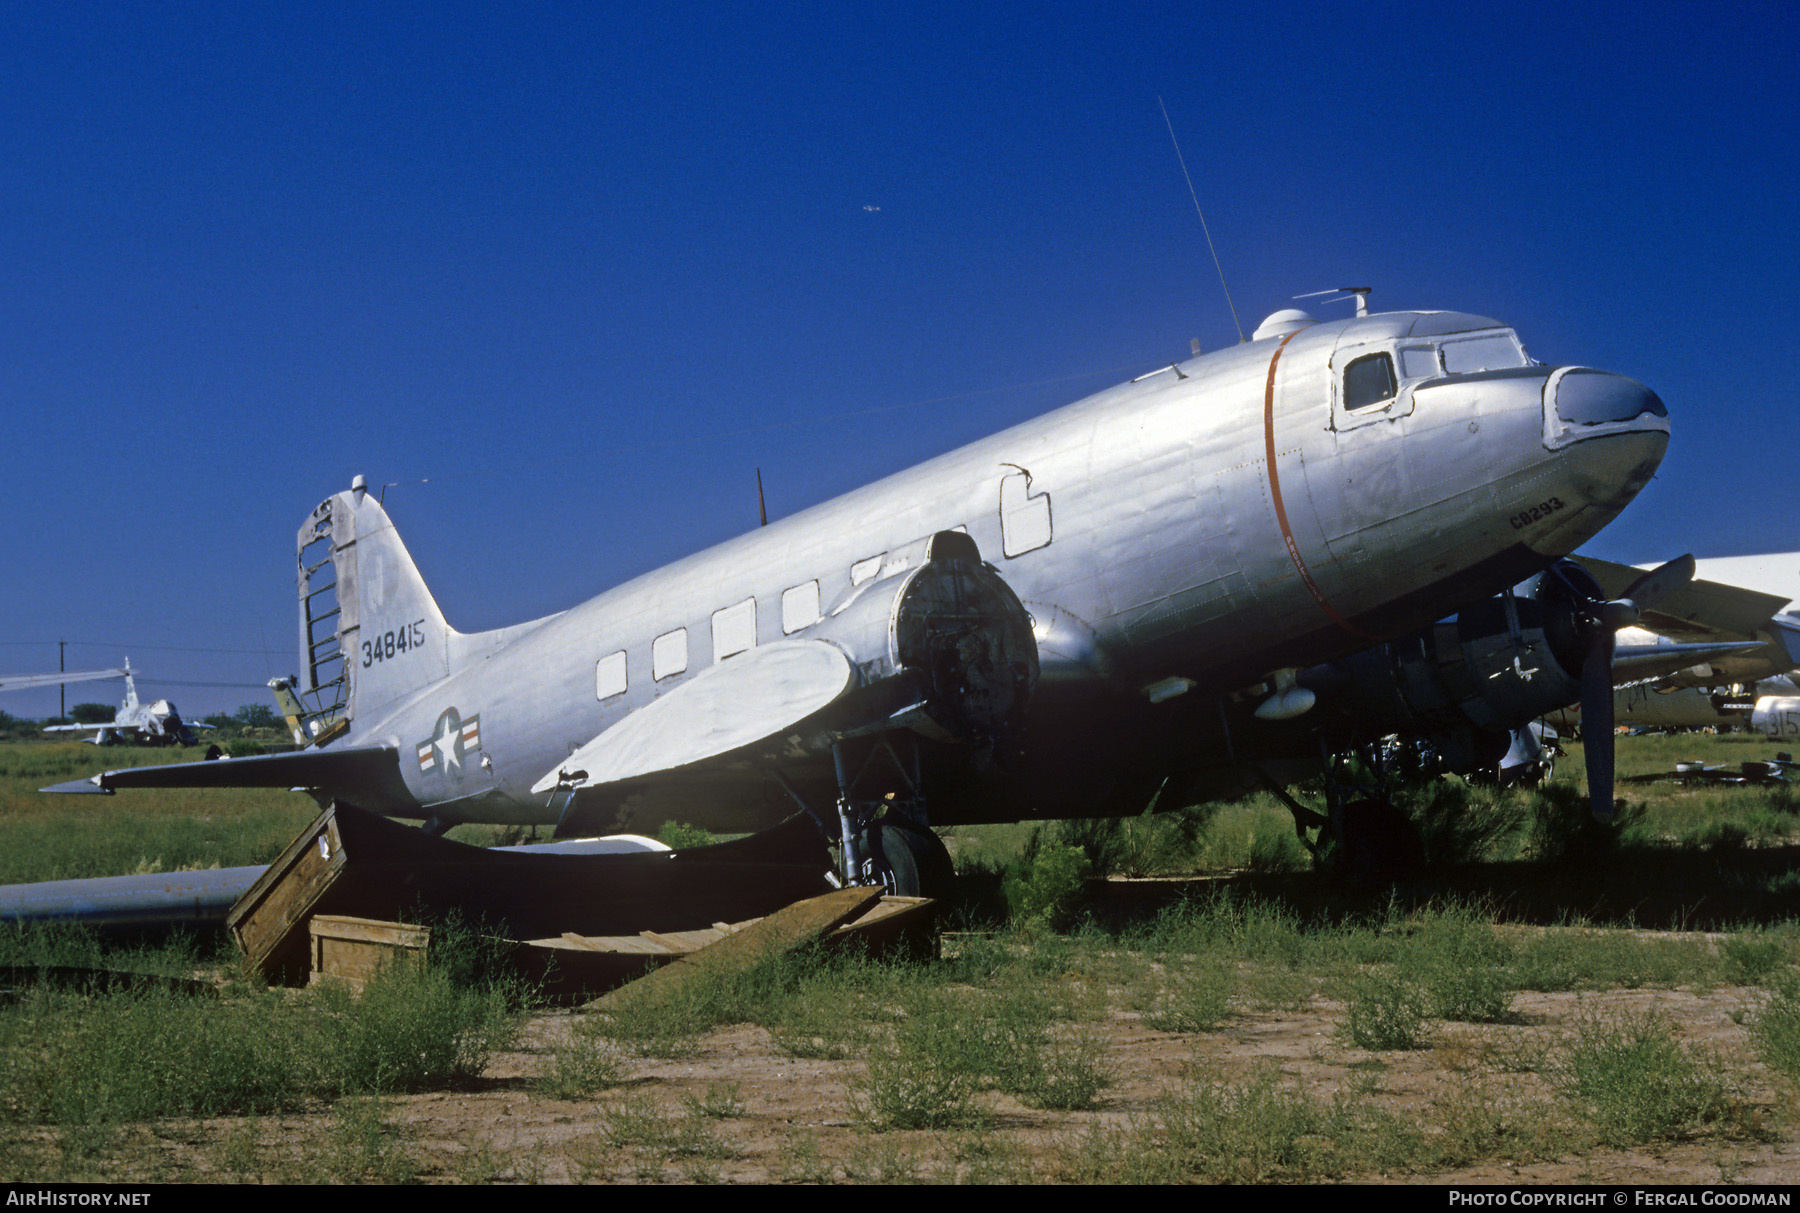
x,y
370,630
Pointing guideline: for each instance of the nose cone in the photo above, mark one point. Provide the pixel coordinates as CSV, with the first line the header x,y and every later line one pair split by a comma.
x,y
1606,435
1577,399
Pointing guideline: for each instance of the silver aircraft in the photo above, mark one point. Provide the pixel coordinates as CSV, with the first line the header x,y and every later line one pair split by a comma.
x,y
1200,580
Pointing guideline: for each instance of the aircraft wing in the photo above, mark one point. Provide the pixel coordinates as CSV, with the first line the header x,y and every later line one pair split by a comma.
x,y
1709,612
734,705
365,775
1700,610
777,704
22,682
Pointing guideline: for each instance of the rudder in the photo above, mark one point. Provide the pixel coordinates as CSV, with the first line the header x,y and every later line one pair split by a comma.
x,y
370,630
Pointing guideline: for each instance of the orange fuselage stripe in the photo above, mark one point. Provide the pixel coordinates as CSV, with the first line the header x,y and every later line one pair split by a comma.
x,y
1281,518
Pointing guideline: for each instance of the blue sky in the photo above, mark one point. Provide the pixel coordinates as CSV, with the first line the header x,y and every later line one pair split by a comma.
x,y
565,275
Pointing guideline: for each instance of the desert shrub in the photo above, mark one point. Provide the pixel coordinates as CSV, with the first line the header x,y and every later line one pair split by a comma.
x,y
1257,1131
1776,1028
1275,847
1636,1084
680,836
364,1146
1751,958
1193,998
918,1078
1562,828
1045,886
411,1029
1385,1012
1138,846
1456,958
584,1063
1459,823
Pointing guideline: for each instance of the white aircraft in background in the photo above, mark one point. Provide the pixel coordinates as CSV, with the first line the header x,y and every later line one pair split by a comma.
x,y
156,723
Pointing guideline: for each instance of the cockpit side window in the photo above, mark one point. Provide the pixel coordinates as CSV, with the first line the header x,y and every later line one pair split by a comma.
x,y
1369,381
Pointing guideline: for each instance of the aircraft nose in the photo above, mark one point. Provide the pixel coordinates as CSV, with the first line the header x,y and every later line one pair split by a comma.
x,y
1606,435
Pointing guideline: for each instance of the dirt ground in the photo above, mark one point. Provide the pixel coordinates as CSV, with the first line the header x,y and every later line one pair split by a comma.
x,y
796,1122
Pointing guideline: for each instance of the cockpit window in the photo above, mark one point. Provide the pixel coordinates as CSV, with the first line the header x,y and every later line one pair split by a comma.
x,y
1420,362
1489,352
1369,381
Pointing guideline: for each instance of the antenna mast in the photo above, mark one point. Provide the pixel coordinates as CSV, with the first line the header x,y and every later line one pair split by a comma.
x,y
1181,160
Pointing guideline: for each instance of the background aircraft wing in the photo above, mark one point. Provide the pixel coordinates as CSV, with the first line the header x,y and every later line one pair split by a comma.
x,y
1709,612
21,682
1699,610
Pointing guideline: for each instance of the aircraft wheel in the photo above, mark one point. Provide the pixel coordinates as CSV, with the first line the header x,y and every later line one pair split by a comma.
x,y
1377,842
916,864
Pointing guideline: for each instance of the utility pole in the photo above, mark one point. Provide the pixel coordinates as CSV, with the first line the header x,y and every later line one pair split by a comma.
x,y
62,707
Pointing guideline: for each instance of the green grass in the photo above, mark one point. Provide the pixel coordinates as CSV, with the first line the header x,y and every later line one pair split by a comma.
x,y
1776,1027
151,1051
1635,1084
68,837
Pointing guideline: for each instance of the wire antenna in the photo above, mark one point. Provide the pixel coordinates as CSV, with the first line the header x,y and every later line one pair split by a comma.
x,y
1181,160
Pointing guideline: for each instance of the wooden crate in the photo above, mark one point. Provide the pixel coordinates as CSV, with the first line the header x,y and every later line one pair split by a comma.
x,y
353,950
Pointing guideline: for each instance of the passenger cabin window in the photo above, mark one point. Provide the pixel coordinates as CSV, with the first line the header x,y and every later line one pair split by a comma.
x,y
863,570
734,629
799,607
609,676
1490,352
1369,381
668,654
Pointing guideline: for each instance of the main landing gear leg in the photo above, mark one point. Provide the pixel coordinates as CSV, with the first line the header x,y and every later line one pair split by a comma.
x,y
885,836
1363,836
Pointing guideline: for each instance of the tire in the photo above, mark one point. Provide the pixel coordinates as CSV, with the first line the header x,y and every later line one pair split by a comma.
x,y
915,861
915,864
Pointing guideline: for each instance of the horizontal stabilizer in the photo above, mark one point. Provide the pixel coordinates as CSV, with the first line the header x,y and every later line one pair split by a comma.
x,y
368,775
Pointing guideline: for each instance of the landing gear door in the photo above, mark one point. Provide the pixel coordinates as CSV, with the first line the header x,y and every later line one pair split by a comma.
x,y
1366,385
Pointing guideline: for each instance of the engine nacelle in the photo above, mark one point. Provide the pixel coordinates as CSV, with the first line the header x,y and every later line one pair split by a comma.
x,y
952,628
1465,683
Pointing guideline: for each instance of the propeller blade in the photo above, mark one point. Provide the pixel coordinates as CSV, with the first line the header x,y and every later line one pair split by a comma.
x,y
1597,723
1653,586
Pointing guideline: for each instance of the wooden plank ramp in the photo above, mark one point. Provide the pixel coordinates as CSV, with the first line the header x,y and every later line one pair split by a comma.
x,y
737,951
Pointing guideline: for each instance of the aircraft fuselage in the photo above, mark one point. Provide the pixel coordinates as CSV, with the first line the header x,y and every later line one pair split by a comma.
x,y
1259,508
